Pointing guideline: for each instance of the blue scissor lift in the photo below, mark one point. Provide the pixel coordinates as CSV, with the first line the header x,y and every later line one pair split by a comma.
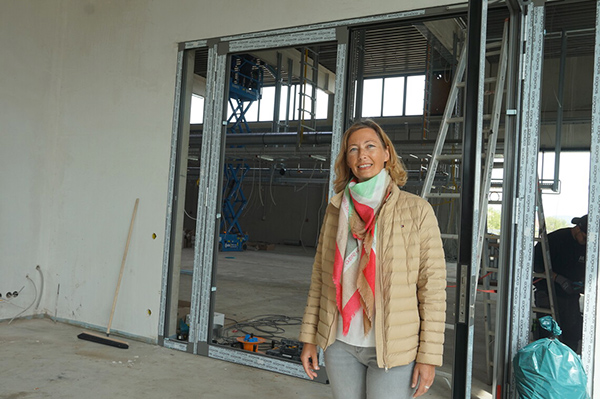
x,y
232,238
245,86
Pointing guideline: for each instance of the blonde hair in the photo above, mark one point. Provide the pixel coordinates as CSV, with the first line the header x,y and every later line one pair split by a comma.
x,y
394,166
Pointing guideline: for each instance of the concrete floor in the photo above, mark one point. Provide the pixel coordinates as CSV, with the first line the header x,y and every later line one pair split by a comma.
x,y
45,359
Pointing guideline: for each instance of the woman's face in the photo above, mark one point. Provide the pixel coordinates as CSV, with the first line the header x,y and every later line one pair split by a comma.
x,y
366,155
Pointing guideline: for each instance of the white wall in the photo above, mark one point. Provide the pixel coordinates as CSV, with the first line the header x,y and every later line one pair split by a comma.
x,y
28,105
86,100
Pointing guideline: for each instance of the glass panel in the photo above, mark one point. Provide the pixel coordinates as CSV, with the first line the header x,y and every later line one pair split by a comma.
x,y
372,97
267,102
322,104
572,199
415,94
393,96
293,110
273,200
197,112
283,104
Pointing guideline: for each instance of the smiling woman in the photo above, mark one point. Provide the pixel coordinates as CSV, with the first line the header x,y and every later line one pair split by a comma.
x,y
393,165
367,154
373,230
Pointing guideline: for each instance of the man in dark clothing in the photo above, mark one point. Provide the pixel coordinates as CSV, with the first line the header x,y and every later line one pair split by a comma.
x,y
567,257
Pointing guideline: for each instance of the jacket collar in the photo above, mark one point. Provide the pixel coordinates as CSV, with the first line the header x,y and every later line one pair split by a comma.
x,y
336,200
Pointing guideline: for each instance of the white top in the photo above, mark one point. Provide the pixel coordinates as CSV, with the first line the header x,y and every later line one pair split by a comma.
x,y
356,332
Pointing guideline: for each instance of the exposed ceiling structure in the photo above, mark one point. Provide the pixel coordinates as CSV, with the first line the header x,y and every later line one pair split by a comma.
x,y
400,48
577,21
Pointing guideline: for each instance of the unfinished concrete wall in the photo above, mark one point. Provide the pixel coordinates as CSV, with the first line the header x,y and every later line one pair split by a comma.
x,y
286,215
28,104
87,91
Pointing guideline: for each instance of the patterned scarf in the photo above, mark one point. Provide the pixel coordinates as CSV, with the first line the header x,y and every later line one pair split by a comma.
x,y
354,274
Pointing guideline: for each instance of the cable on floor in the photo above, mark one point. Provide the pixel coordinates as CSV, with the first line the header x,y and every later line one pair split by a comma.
x,y
269,326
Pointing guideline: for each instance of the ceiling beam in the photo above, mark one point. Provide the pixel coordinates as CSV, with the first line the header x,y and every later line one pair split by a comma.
x,y
326,80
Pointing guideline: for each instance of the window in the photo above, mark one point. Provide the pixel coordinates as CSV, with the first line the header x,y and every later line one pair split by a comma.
x,y
267,104
197,109
262,110
393,96
386,96
572,199
372,89
415,94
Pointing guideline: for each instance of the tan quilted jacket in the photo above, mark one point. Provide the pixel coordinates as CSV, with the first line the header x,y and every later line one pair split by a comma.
x,y
410,296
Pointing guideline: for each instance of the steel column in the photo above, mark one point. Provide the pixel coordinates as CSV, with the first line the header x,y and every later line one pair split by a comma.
x,y
591,329
470,193
527,182
199,315
504,306
212,183
276,122
358,49
164,313
559,111
175,210
339,101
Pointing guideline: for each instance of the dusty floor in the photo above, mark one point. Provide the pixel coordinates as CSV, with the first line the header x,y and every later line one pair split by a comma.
x,y
43,359
46,360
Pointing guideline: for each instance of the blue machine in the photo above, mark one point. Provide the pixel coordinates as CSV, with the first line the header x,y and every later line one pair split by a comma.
x,y
232,238
245,87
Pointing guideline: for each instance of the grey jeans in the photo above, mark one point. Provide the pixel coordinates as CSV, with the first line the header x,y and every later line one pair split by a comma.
x,y
353,374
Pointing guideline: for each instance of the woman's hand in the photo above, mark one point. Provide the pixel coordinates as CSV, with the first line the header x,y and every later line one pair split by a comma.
x,y
309,360
423,375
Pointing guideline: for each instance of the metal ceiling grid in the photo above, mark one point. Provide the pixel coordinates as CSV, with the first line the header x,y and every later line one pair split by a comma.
x,y
578,21
201,62
394,51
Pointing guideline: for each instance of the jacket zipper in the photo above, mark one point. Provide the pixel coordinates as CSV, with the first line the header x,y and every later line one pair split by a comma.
x,y
379,310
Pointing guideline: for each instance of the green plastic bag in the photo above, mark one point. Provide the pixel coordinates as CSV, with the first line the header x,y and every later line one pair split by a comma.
x,y
548,369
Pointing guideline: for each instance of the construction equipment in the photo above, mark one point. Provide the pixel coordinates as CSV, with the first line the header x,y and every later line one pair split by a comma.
x,y
232,238
245,87
287,348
